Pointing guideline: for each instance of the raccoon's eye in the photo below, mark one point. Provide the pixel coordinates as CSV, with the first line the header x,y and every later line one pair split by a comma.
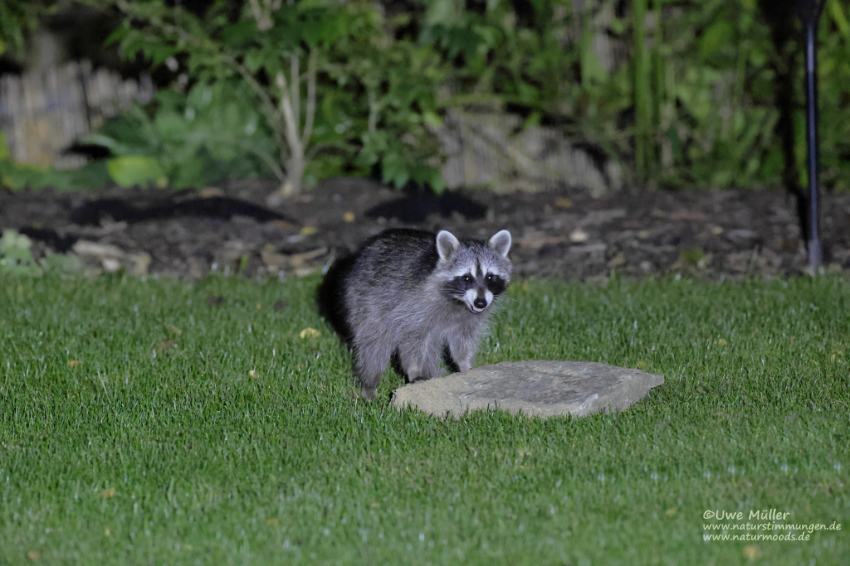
x,y
466,278
489,277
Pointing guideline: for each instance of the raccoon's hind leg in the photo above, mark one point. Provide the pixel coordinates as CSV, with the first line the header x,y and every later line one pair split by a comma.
x,y
372,360
420,359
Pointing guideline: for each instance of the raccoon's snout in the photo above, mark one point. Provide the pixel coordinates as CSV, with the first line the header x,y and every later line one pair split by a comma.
x,y
478,302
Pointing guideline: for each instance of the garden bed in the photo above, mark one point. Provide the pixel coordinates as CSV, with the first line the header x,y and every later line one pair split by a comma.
x,y
716,235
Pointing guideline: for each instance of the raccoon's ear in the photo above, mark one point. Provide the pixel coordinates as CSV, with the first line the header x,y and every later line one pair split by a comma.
x,y
447,244
501,242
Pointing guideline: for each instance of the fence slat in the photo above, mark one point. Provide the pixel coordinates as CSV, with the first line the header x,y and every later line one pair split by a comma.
x,y
43,112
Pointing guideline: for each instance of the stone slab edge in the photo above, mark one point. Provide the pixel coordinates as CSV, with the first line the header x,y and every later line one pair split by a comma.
x,y
440,390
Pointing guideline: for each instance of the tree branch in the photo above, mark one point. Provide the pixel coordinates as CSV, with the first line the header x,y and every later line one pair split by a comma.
x,y
268,106
295,88
311,98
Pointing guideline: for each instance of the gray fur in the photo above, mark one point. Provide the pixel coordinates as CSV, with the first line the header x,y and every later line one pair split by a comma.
x,y
446,244
404,292
501,242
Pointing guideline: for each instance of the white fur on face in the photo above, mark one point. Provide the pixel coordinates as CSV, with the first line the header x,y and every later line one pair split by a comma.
x,y
469,298
492,270
472,294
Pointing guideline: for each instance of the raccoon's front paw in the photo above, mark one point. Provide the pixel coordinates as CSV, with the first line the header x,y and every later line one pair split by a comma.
x,y
368,393
420,379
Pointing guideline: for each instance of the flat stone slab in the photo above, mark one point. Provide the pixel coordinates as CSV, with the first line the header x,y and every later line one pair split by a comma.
x,y
537,387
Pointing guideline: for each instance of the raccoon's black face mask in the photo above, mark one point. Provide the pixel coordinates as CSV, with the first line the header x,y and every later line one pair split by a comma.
x,y
475,290
475,272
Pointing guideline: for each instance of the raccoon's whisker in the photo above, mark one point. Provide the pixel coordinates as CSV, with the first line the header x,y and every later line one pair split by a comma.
x,y
328,263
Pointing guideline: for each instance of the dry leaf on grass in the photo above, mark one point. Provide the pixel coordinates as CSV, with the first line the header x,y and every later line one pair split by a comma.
x,y
309,333
617,260
107,493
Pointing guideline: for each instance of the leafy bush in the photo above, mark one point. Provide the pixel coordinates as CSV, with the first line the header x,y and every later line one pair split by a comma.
x,y
718,103
535,59
17,176
363,103
18,17
694,103
210,134
316,88
16,258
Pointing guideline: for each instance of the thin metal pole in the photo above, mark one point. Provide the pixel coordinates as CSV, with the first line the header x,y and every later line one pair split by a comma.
x,y
810,20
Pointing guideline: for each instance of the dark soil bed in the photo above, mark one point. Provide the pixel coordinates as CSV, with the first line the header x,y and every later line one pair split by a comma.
x,y
718,235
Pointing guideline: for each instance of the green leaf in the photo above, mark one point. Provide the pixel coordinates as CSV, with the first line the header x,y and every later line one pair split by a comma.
x,y
189,173
592,69
432,119
618,25
104,141
170,125
839,17
715,37
437,183
131,170
117,35
443,12
239,33
722,178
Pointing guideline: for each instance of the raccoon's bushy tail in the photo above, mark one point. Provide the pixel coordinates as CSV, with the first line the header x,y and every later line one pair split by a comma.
x,y
330,297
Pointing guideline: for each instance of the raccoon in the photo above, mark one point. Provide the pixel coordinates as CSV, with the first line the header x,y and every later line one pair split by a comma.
x,y
414,297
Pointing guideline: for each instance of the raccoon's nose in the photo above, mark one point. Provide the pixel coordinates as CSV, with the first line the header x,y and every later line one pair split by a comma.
x,y
479,303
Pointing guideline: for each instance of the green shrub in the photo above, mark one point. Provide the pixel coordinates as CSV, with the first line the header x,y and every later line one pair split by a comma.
x,y
317,88
16,258
693,104
362,105
213,133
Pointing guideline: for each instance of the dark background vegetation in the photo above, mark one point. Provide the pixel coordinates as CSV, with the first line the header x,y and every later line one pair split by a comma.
x,y
676,95
688,94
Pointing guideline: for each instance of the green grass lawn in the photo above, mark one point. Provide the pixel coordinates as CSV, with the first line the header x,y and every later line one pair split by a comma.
x,y
141,423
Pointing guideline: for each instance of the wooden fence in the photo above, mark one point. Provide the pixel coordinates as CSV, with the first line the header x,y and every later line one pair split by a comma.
x,y
42,113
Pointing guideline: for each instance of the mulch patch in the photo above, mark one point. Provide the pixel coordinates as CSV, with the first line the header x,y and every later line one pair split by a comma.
x,y
730,234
